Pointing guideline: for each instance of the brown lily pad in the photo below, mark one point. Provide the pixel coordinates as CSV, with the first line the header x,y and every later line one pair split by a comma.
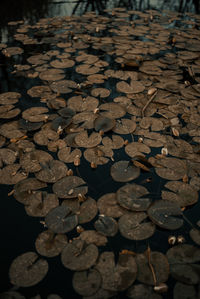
x,y
171,168
9,111
164,214
88,210
79,104
87,69
131,197
86,283
115,142
136,148
132,226
140,291
83,140
24,189
11,130
43,137
39,91
52,171
63,63
183,254
7,156
104,124
93,237
49,244
61,220
9,98
123,171
159,263
184,291
35,160
133,87
27,270
116,276
95,155
183,194
12,174
108,206
10,51
78,256
39,204
70,187
106,225
52,75
112,110
67,155
35,114
100,92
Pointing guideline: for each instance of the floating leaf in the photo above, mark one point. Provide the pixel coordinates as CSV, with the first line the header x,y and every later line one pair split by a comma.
x,y
122,171
104,124
61,220
27,270
78,256
183,194
35,114
130,196
48,244
165,214
132,226
52,171
93,237
184,291
88,210
86,283
160,267
116,277
70,187
106,225
136,148
83,140
108,205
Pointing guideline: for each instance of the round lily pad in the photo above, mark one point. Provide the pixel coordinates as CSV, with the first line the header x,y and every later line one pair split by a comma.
x,y
67,155
39,91
24,188
195,235
12,174
140,291
124,126
35,114
48,244
9,98
106,225
160,266
7,156
112,110
61,220
79,256
171,168
28,125
132,226
83,140
165,214
52,171
136,148
93,237
123,171
185,273
39,204
86,283
70,187
182,194
52,75
35,160
116,276
44,136
133,87
183,254
184,291
62,86
27,270
88,210
131,197
12,130
79,104
104,124
100,92
108,205
115,142
95,155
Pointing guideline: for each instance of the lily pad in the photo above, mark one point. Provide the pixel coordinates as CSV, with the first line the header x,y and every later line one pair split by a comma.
x,y
166,214
78,256
108,205
184,291
136,148
61,220
104,124
140,291
35,160
123,171
171,168
49,244
131,197
116,276
52,171
83,140
134,226
93,237
88,210
183,194
27,270
35,114
70,187
86,283
12,174
39,204
160,266
106,225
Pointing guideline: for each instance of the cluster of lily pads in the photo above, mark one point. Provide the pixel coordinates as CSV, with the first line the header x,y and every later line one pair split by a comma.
x,y
121,90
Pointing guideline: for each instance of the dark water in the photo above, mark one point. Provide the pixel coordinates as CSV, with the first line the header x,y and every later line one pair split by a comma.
x,y
19,231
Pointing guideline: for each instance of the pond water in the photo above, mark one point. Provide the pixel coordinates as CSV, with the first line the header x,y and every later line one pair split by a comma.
x,y
100,132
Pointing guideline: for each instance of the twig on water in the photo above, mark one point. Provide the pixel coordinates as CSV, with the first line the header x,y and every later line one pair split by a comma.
x,y
148,102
